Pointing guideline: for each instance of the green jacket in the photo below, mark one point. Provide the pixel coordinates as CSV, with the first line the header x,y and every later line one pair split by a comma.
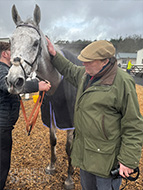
x,y
108,123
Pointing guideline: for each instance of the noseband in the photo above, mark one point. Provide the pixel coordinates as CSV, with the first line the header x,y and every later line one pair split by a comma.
x,y
39,49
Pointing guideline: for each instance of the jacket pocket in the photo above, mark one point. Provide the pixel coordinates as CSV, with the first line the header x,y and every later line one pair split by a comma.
x,y
99,156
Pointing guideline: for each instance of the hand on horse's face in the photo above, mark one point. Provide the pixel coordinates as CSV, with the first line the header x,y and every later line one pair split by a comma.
x,y
51,47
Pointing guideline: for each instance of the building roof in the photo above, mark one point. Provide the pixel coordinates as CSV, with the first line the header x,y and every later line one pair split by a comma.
x,y
4,39
126,56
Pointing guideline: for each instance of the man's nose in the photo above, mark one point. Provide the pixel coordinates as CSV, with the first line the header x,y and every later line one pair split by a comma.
x,y
84,63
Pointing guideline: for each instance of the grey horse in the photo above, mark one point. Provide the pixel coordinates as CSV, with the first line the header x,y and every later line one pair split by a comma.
x,y
29,54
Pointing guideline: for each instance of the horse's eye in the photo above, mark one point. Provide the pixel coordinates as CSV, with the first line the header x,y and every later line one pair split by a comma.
x,y
35,43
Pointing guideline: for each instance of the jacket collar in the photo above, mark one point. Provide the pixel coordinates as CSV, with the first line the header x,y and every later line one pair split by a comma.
x,y
109,75
2,63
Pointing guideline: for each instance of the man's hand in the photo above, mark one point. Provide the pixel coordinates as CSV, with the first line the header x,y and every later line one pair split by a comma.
x,y
125,171
44,86
51,49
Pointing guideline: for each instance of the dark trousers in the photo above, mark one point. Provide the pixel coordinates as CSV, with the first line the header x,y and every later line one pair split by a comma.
x,y
128,71
92,182
5,154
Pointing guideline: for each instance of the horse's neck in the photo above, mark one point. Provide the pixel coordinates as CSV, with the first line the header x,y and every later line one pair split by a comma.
x,y
47,71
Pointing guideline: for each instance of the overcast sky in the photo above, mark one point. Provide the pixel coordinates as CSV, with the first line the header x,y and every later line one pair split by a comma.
x,y
78,19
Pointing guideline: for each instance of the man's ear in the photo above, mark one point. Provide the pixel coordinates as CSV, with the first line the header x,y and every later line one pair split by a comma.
x,y
105,62
3,54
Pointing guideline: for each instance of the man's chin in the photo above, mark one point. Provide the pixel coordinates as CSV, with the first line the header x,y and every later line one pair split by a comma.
x,y
90,73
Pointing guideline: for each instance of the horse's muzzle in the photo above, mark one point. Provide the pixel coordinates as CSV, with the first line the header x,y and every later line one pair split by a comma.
x,y
15,87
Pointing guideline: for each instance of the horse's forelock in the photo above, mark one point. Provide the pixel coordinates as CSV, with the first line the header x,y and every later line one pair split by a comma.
x,y
30,21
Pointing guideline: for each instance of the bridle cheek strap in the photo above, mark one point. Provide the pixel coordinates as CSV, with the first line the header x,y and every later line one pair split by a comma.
x,y
25,75
38,53
39,49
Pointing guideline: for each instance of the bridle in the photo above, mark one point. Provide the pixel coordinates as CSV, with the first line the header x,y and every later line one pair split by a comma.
x,y
30,122
38,53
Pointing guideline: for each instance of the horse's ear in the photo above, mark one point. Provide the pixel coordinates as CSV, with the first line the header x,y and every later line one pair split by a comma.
x,y
37,14
15,15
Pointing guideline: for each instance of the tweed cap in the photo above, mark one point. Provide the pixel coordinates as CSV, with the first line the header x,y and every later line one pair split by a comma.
x,y
101,49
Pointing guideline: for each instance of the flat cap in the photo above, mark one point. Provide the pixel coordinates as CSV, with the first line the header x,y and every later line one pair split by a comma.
x,y
101,49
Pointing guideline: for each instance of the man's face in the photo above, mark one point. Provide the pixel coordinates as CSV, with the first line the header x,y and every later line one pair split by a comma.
x,y
93,67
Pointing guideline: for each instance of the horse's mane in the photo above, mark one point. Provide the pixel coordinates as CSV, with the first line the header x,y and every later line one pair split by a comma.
x,y
70,56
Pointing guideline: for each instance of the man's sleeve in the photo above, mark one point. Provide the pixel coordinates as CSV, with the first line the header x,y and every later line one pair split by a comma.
x,y
31,86
3,85
131,129
70,71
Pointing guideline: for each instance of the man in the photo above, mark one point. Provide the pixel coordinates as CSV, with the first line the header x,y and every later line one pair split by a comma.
x,y
9,110
129,66
108,123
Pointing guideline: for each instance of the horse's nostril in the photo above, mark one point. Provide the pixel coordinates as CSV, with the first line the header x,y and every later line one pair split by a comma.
x,y
6,80
17,59
19,82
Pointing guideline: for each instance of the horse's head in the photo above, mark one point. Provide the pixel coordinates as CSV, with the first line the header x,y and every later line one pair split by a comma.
x,y
25,50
